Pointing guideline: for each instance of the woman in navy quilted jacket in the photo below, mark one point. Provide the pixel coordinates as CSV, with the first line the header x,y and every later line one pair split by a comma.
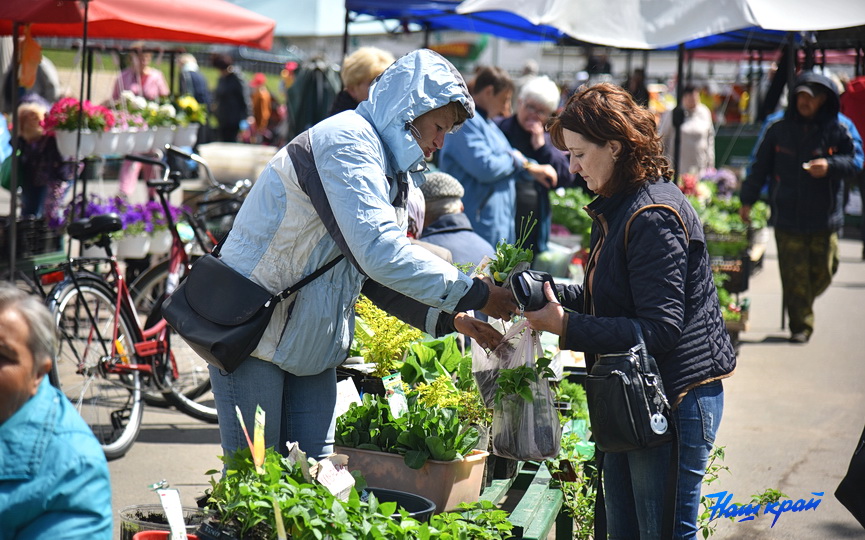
x,y
648,264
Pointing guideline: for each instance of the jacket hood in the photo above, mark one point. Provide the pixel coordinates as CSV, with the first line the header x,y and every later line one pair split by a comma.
x,y
415,84
829,110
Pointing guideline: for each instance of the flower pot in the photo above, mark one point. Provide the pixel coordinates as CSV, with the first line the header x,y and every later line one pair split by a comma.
x,y
151,517
417,506
158,535
160,242
96,251
133,247
445,483
67,141
186,135
143,141
163,135
106,143
126,142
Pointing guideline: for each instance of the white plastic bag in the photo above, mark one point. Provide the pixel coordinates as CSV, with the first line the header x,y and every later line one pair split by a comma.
x,y
522,429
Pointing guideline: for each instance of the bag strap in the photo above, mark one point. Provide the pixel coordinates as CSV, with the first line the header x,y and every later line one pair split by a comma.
x,y
647,207
279,297
300,284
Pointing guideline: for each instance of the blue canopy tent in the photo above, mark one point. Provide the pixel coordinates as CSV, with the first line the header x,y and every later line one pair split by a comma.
x,y
442,15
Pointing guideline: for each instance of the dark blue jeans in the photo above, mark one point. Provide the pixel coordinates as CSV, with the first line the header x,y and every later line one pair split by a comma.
x,y
635,482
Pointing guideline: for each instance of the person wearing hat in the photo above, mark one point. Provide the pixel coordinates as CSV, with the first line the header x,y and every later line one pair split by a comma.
x,y
808,154
446,225
261,106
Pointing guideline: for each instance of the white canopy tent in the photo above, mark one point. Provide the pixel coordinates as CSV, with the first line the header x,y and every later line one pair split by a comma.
x,y
658,24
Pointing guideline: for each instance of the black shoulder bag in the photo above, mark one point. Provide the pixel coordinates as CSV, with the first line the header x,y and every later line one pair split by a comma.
x,y
627,405
220,313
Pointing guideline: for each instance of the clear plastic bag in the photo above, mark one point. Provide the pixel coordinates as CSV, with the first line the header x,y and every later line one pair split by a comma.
x,y
522,429
487,365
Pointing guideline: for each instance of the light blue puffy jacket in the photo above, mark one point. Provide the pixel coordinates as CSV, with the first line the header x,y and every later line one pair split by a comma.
x,y
54,480
331,191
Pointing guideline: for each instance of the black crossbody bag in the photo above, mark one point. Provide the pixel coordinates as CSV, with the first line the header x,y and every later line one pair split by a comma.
x,y
628,408
222,314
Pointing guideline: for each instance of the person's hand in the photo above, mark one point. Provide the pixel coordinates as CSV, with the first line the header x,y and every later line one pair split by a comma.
x,y
745,213
549,318
543,174
817,168
536,132
501,303
484,335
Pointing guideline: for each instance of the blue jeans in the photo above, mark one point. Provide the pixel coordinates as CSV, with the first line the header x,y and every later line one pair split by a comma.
x,y
299,409
635,482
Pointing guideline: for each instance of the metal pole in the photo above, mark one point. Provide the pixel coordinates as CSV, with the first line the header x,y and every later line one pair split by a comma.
x,y
13,182
345,34
678,112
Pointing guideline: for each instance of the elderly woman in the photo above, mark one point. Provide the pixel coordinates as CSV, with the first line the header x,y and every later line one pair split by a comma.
x,y
340,188
538,100
648,264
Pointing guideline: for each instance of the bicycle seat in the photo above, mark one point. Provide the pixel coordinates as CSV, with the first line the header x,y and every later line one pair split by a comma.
x,y
86,228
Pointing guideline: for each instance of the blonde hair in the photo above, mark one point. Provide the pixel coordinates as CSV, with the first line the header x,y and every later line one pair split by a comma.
x,y
35,108
364,65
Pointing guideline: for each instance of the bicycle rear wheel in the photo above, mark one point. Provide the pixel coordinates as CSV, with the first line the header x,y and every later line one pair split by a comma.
x,y
109,402
190,391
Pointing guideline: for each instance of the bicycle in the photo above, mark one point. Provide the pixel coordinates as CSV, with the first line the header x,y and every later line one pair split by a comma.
x,y
106,359
212,219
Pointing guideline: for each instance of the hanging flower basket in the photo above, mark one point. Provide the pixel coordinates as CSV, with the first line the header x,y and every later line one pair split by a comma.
x,y
160,242
144,140
67,140
133,247
126,141
186,135
164,135
107,142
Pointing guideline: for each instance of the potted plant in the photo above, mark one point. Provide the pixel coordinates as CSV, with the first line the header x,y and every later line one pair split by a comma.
x,y
428,448
163,118
190,116
66,120
276,497
136,116
102,121
382,340
133,241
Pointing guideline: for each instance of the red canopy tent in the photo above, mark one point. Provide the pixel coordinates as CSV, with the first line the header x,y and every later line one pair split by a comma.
x,y
186,21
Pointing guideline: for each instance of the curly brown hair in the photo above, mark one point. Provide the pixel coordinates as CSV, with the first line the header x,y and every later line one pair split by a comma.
x,y
606,112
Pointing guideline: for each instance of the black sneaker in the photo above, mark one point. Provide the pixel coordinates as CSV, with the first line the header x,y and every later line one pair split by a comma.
x,y
800,337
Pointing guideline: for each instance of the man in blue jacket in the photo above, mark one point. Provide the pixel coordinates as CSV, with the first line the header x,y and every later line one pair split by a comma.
x,y
53,475
486,164
807,154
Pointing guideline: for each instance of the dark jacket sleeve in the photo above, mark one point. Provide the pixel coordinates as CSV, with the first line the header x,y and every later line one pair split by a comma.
x,y
409,310
846,162
559,161
761,167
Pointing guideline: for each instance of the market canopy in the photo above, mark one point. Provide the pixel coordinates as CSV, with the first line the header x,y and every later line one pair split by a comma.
x,y
658,24
186,21
444,15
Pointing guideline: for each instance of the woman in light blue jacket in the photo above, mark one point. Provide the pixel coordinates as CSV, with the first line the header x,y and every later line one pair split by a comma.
x,y
339,189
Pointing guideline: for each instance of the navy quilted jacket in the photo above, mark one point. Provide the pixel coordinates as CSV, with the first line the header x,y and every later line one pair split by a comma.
x,y
663,280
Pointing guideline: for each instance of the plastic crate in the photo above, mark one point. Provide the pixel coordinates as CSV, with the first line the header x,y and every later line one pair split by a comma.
x,y
33,237
739,271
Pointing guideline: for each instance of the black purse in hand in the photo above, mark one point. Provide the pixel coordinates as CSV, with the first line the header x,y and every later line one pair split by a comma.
x,y
220,313
627,405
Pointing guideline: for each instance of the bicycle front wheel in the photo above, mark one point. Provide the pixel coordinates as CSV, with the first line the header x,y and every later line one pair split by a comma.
x,y
109,402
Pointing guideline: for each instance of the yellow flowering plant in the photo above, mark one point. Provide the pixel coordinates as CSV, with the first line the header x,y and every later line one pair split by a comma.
x,y
189,111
